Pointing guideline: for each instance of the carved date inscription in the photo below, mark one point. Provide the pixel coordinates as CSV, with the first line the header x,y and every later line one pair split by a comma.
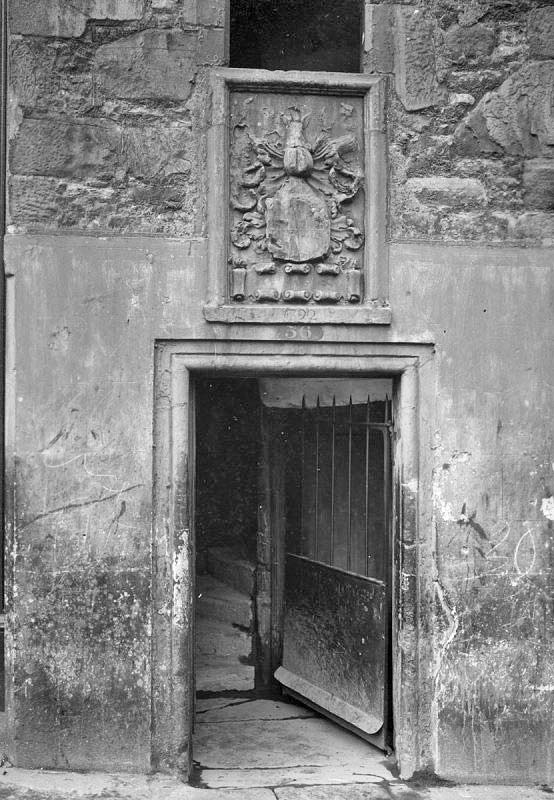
x,y
297,199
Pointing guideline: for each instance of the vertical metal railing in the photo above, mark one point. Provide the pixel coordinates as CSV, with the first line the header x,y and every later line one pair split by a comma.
x,y
3,188
387,472
316,504
333,430
303,536
319,482
349,501
366,525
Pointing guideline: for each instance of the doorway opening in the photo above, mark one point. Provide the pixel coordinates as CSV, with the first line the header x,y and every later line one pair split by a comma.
x,y
285,34
293,557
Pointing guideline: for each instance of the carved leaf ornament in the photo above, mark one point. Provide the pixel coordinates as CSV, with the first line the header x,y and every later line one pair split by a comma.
x,y
290,199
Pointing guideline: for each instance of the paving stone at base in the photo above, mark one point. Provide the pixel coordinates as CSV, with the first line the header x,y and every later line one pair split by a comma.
x,y
228,676
220,701
217,601
486,793
308,742
238,710
20,784
140,788
216,639
288,777
222,794
284,752
351,791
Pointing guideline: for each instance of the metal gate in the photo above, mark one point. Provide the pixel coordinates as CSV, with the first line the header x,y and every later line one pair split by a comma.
x,y
337,572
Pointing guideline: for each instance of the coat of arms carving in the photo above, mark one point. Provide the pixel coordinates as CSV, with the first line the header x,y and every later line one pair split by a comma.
x,y
297,199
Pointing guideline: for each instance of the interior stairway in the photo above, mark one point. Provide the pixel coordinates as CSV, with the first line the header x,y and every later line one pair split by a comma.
x,y
224,623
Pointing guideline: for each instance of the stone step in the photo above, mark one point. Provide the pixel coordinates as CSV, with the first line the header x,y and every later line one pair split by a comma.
x,y
217,638
236,572
224,675
218,601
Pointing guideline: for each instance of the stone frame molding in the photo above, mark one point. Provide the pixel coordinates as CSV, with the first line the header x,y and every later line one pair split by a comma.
x,y
173,528
375,308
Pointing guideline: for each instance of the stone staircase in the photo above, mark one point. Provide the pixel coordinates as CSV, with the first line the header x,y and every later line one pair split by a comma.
x,y
224,624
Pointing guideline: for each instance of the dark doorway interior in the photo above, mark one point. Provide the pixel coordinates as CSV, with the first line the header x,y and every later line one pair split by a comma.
x,y
227,462
292,544
296,34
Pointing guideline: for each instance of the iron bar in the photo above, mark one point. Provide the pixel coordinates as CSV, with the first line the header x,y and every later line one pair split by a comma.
x,y
339,570
3,187
333,426
366,549
322,428
386,499
316,527
302,467
349,534
376,425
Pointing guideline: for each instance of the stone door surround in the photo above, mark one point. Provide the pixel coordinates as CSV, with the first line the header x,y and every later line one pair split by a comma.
x,y
177,363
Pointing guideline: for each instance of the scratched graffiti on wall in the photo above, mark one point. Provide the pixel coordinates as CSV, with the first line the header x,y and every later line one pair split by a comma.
x,y
494,667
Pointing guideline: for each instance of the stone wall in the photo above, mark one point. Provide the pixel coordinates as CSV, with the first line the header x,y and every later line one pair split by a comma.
x,y
109,115
109,111
472,131
111,106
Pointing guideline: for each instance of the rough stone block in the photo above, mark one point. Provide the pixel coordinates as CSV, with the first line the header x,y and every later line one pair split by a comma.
x,y
165,5
52,76
211,12
468,43
152,64
537,225
212,46
25,73
65,148
446,191
151,150
538,183
114,9
46,18
59,18
540,32
517,118
476,82
378,38
33,201
460,99
416,78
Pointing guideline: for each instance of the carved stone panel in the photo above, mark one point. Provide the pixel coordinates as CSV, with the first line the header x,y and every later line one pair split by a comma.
x,y
293,197
296,171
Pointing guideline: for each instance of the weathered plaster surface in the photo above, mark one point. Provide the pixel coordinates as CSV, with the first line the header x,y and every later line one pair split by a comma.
x,y
83,476
493,480
83,473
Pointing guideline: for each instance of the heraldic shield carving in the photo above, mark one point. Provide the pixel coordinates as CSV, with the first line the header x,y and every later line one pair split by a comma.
x,y
296,199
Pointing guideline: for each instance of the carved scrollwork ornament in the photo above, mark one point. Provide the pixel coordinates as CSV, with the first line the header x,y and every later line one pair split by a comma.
x,y
279,168
289,199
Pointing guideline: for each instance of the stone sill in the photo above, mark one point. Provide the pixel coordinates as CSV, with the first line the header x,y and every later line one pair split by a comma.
x,y
288,315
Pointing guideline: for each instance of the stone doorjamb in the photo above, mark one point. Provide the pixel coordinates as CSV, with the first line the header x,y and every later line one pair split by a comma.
x,y
173,520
